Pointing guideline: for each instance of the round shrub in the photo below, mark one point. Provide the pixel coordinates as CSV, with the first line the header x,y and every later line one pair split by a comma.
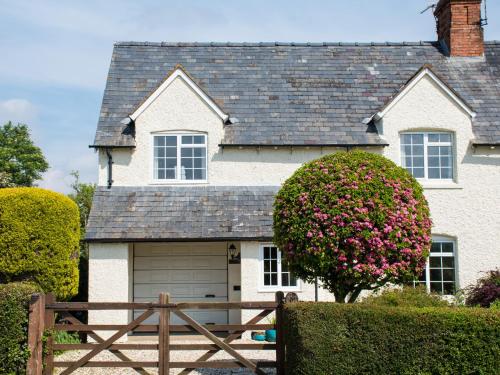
x,y
39,239
355,220
14,302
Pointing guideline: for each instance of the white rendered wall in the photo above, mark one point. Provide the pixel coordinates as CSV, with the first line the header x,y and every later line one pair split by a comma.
x,y
110,280
468,209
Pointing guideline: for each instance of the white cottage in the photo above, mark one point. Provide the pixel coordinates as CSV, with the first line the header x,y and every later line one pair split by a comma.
x,y
194,140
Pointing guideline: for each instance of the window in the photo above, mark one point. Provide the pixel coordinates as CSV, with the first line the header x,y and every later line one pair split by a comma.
x,y
275,273
180,157
439,274
428,155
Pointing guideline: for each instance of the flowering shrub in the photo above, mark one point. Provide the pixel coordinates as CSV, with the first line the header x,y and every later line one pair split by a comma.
x,y
486,291
355,221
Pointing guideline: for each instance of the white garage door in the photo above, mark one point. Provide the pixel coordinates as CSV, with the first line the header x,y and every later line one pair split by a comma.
x,y
190,272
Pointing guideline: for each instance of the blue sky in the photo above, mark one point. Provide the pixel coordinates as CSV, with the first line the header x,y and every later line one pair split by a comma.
x,y
55,54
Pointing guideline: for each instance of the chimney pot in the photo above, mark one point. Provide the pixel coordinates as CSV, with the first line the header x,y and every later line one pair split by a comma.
x,y
459,27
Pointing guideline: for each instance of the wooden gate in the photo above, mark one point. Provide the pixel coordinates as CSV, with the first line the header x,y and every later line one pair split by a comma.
x,y
43,310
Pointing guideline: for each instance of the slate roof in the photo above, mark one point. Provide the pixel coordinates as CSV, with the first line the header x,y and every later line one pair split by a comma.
x,y
170,213
296,93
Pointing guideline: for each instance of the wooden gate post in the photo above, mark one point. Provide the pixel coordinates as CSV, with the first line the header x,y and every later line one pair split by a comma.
x,y
35,334
280,342
164,337
50,317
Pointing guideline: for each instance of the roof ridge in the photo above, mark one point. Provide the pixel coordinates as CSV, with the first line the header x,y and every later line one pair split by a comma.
x,y
275,44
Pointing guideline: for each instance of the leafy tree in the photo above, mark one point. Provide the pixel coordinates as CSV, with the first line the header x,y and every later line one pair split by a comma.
x,y
5,180
82,195
20,159
355,220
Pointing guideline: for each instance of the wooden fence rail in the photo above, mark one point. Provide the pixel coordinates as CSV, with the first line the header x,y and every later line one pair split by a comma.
x,y
44,308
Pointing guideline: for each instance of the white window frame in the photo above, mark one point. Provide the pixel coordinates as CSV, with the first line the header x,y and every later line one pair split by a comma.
x,y
453,255
425,134
273,288
179,136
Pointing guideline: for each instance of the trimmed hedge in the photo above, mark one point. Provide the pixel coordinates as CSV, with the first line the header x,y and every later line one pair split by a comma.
x,y
14,302
39,239
330,338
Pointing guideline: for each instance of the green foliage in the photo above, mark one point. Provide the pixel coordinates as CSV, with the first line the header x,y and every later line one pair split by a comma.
x,y
14,302
82,195
64,337
20,159
5,180
39,235
332,338
355,220
406,296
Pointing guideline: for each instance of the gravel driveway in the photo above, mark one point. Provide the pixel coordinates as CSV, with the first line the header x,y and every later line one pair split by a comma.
x,y
176,355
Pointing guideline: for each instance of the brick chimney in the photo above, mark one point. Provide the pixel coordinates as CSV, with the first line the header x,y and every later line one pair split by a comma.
x,y
459,27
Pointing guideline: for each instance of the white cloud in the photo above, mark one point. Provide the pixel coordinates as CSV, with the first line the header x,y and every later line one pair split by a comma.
x,y
18,110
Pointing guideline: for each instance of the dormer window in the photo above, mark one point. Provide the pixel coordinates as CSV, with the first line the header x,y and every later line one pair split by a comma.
x,y
428,155
180,157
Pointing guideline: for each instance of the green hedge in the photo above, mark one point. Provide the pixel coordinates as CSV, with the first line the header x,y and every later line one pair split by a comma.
x,y
14,301
329,338
39,239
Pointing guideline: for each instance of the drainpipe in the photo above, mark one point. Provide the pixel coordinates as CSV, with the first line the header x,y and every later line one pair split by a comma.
x,y
110,168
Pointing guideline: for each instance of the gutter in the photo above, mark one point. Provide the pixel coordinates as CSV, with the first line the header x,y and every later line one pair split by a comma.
x,y
110,168
343,145
195,239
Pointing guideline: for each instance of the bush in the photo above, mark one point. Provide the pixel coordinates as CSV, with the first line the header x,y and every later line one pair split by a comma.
x,y
486,291
39,239
332,338
355,220
14,302
406,296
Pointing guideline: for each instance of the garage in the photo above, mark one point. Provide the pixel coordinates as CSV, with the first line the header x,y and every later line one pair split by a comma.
x,y
190,272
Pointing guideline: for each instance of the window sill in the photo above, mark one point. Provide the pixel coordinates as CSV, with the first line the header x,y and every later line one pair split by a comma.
x,y
182,182
274,290
430,185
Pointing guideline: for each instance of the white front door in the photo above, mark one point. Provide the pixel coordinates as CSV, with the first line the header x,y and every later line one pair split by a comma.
x,y
190,272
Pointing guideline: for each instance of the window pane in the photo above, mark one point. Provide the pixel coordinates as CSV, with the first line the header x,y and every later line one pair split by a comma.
x,y
433,161
417,139
433,137
406,139
293,281
199,139
418,151
434,173
267,279
436,247
199,174
447,247
448,262
418,172
445,150
448,275
266,252
274,279
160,152
187,163
161,174
187,139
418,162
448,288
435,262
199,152
274,252
436,275
170,163
274,265
267,266
433,150
445,137
284,279
446,173
170,174
186,152
171,152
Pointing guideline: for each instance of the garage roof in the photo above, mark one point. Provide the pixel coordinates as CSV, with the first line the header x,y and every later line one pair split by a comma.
x,y
181,213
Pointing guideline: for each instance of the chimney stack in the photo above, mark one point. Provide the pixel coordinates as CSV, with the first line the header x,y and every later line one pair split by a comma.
x,y
459,27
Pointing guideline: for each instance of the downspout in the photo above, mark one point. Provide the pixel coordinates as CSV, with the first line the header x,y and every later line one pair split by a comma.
x,y
110,168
